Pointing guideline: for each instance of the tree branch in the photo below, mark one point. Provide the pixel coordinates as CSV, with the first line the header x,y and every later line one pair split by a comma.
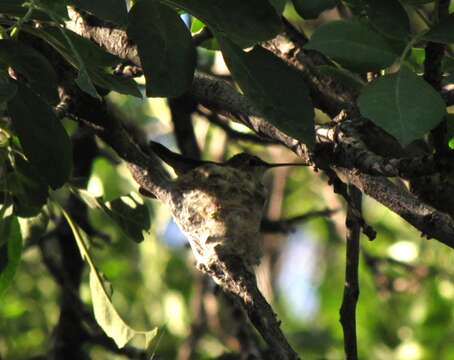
x,y
219,95
351,285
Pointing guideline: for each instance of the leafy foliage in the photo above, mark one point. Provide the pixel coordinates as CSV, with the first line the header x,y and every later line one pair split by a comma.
x,y
165,47
260,75
340,39
402,104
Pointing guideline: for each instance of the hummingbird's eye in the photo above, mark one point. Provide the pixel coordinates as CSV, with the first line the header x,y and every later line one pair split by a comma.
x,y
255,161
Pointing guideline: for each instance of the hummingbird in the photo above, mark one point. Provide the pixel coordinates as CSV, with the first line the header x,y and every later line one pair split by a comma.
x,y
182,164
219,206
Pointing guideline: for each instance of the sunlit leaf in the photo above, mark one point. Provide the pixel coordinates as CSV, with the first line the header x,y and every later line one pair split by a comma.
x,y
402,104
131,216
109,319
165,48
276,89
353,45
105,313
10,251
43,138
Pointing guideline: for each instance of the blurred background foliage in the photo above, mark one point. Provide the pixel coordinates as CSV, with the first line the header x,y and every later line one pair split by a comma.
x,y
406,302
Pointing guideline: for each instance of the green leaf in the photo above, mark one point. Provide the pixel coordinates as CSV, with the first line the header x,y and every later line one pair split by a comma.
x,y
244,22
111,10
165,48
131,216
57,9
417,2
43,138
97,63
33,66
279,5
276,89
16,8
105,313
210,44
311,9
114,82
442,32
10,251
348,79
28,189
403,105
389,18
108,318
353,45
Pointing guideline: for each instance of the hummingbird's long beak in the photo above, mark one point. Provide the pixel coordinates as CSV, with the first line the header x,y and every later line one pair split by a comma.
x,y
285,164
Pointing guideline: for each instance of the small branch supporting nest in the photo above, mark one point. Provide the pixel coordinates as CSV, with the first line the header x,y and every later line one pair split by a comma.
x,y
236,279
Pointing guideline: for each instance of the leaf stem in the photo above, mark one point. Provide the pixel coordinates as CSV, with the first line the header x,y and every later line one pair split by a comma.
x,y
16,28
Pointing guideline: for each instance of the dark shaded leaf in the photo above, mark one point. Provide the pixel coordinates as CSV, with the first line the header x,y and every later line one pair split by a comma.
x,y
33,66
7,88
56,9
15,8
348,79
276,89
279,5
28,189
402,104
353,45
311,9
97,63
165,48
43,138
111,10
244,22
442,32
389,18
10,251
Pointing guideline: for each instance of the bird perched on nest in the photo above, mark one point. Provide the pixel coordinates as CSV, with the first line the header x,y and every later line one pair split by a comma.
x,y
218,206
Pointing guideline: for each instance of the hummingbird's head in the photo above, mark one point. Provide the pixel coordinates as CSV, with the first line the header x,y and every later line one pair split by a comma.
x,y
247,161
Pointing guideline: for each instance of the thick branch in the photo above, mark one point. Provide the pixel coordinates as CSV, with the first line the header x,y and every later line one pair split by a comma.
x,y
146,168
431,222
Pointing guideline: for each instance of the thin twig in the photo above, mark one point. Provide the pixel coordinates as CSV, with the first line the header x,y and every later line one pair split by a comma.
x,y
351,285
288,225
